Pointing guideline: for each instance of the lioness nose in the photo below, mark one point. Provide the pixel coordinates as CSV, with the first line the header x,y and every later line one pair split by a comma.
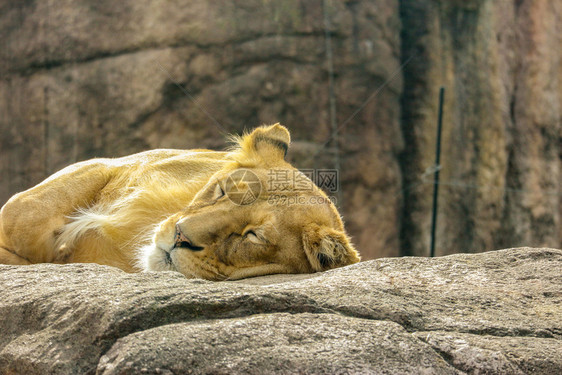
x,y
206,228
181,240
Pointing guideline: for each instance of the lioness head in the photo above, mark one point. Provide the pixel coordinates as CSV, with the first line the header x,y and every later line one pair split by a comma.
x,y
241,225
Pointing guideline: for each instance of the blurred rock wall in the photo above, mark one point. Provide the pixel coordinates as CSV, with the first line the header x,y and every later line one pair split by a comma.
x,y
80,79
500,62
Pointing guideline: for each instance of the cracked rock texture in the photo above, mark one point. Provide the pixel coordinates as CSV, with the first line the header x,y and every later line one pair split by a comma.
x,y
85,78
495,312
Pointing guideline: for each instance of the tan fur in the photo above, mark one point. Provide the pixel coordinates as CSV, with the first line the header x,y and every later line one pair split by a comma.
x,y
132,213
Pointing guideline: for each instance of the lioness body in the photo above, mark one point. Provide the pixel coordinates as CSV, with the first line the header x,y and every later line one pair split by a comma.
x,y
124,198
163,210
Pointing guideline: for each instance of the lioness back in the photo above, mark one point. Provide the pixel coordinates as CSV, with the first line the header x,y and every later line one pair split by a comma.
x,y
203,213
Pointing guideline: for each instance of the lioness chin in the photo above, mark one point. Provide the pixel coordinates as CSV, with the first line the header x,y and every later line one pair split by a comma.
x,y
206,214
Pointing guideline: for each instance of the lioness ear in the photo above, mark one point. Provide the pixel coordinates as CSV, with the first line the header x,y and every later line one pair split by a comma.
x,y
327,248
268,141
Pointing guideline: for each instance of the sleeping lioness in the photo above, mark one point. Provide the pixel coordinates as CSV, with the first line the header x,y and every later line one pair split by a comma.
x,y
203,213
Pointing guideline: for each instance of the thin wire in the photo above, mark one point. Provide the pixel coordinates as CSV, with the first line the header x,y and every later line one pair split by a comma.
x,y
422,180
453,183
456,184
190,97
371,97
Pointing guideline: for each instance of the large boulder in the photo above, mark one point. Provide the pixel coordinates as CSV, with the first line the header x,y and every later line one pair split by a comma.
x,y
495,312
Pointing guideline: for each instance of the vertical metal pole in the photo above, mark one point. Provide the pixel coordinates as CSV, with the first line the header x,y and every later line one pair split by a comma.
x,y
436,174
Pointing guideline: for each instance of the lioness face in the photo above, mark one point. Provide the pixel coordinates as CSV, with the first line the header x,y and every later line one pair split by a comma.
x,y
237,227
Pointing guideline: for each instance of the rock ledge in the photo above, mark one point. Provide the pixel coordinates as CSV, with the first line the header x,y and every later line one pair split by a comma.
x,y
495,312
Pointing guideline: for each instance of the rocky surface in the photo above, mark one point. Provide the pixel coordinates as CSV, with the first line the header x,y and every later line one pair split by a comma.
x,y
85,78
495,312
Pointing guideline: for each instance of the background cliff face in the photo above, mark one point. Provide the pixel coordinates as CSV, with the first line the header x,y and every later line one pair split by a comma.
x,y
500,63
80,79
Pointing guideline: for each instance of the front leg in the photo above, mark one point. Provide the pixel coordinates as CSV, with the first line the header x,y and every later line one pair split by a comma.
x,y
31,220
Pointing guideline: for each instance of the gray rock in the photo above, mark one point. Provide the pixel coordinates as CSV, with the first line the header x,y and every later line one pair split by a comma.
x,y
496,354
496,312
273,344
